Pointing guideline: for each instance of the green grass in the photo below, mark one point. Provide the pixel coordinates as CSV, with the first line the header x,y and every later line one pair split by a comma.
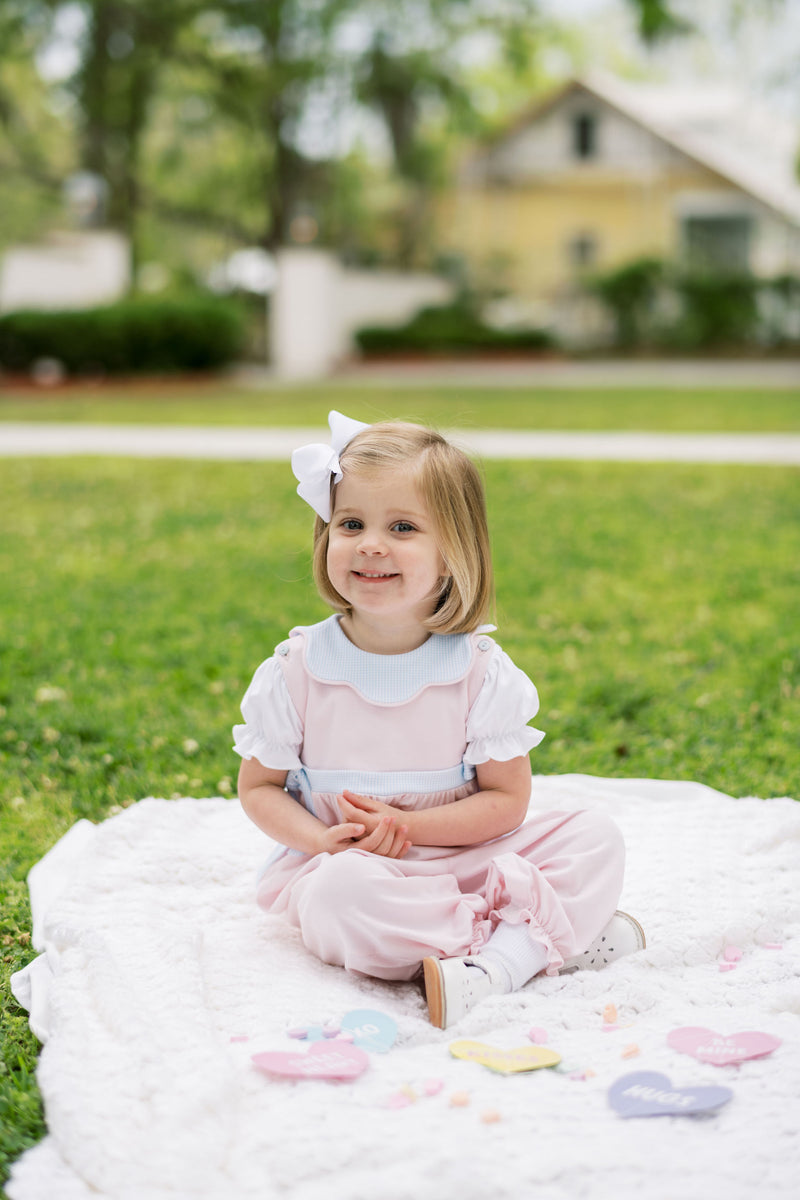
x,y
655,608
209,403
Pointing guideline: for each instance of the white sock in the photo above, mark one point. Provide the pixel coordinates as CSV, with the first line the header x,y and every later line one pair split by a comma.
x,y
516,953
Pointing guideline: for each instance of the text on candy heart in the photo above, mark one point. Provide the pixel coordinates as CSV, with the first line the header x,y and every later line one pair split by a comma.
x,y
639,1091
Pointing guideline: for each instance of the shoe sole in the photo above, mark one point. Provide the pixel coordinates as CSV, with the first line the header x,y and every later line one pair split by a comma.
x,y
637,927
434,992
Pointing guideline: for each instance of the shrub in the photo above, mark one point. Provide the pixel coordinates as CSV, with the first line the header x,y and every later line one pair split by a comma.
x,y
451,328
192,334
654,304
716,310
630,292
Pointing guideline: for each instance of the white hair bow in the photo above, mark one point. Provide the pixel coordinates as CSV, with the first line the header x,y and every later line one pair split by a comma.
x,y
314,464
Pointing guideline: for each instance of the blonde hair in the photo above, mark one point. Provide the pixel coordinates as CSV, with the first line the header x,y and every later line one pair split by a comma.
x,y
451,488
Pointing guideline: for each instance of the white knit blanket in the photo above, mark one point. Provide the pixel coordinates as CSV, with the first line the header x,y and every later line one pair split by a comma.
x,y
156,964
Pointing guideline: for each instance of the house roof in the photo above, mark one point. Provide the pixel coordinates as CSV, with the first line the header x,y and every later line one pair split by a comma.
x,y
720,128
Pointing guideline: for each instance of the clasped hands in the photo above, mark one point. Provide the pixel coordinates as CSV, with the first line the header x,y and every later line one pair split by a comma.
x,y
368,824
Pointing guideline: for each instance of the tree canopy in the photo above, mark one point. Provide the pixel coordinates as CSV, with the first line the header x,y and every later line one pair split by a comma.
x,y
258,121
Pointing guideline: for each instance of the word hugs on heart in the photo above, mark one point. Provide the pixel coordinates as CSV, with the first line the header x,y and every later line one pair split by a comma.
x,y
650,1094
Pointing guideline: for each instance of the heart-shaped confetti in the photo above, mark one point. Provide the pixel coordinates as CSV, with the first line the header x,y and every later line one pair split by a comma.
x,y
323,1060
650,1094
507,1062
365,1027
721,1049
371,1030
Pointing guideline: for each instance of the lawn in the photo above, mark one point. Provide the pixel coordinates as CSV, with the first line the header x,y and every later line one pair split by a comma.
x,y
215,403
655,607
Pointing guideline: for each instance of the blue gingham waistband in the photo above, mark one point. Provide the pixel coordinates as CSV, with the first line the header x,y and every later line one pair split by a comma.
x,y
307,780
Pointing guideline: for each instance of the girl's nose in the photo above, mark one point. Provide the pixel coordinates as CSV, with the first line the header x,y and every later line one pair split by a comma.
x,y
371,542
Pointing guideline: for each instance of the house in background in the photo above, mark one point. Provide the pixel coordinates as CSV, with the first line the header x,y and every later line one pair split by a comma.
x,y
604,172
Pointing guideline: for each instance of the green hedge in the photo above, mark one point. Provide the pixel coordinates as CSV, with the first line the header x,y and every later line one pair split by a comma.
x,y
192,334
448,329
664,306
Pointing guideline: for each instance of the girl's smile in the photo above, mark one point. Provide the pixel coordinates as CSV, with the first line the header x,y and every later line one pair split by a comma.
x,y
384,560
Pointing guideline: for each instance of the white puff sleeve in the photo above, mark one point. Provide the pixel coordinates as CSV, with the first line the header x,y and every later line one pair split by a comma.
x,y
273,731
497,725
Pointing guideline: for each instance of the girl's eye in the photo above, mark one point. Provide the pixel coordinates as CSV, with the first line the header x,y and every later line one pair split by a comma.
x,y
351,524
403,527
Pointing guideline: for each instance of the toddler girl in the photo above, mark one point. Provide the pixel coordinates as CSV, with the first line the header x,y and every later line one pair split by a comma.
x,y
386,748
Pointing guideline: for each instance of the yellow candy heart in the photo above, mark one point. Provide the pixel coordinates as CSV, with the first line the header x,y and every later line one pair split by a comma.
x,y
507,1062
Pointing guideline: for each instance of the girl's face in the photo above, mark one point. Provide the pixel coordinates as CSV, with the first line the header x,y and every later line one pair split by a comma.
x,y
383,557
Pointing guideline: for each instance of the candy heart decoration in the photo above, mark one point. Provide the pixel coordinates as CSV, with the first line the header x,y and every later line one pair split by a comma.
x,y
366,1027
650,1094
324,1060
721,1049
507,1062
371,1030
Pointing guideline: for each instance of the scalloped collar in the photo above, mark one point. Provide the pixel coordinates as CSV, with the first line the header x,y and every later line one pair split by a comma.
x,y
331,657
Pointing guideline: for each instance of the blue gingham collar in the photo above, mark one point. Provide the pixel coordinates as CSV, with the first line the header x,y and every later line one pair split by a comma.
x,y
331,657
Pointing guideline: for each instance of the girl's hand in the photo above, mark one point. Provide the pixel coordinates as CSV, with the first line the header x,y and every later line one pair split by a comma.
x,y
340,837
364,809
383,835
387,839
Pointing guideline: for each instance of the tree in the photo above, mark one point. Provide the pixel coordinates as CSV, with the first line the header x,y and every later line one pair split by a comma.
x,y
261,70
35,154
125,47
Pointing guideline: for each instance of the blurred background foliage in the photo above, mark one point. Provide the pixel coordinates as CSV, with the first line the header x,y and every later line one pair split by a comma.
x,y
227,124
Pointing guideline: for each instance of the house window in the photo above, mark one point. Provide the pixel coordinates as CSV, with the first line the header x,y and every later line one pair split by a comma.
x,y
582,250
717,243
584,135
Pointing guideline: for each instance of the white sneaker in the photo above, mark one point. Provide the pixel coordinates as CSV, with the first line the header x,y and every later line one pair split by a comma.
x,y
455,985
622,935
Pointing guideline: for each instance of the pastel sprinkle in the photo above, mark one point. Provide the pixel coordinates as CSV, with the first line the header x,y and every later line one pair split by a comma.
x,y
727,966
346,1036
433,1087
459,1100
398,1100
490,1116
773,945
331,1031
732,954
610,1014
631,1051
299,1032
408,1091
240,1037
538,1035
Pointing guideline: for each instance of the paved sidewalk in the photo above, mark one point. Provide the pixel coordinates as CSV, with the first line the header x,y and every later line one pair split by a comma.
x,y
43,439
674,373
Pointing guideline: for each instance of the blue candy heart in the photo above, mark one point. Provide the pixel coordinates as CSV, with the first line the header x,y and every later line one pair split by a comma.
x,y
371,1030
650,1094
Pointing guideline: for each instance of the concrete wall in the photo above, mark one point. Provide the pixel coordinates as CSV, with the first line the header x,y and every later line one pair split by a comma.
x,y
318,305
69,270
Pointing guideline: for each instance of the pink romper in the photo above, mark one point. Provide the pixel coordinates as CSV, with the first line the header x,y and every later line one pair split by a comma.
x,y
409,729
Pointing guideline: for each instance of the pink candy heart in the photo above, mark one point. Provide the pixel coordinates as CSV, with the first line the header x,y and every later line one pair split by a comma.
x,y
323,1060
721,1049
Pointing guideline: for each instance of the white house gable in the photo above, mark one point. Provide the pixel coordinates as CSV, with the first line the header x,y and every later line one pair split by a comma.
x,y
580,132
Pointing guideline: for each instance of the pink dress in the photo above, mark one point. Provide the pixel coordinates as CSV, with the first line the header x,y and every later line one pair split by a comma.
x,y
409,729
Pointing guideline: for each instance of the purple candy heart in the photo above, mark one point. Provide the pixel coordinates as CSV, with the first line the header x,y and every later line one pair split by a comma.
x,y
650,1094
